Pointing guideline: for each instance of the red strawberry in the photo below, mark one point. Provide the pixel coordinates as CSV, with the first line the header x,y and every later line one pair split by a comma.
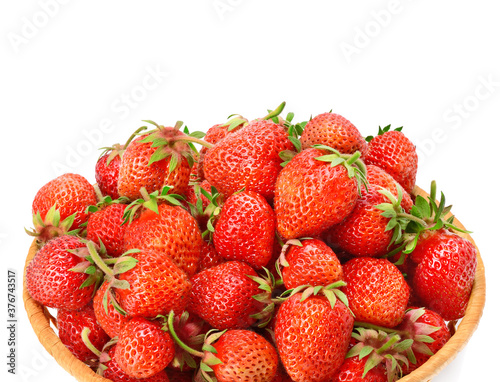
x,y
172,231
50,279
157,286
376,290
107,170
245,229
143,348
209,256
203,200
223,295
445,271
191,330
51,226
396,154
313,194
310,262
114,372
247,159
245,356
215,134
107,225
377,177
312,337
107,316
159,158
353,370
364,232
428,331
136,171
69,193
70,324
335,131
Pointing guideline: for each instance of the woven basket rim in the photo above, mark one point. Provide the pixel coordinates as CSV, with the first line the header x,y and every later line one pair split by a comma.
x,y
40,319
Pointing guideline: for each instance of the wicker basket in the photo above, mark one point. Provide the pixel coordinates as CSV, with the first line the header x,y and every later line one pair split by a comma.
x,y
41,320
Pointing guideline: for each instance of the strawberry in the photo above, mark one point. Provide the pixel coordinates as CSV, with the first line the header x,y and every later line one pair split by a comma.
x,y
375,352
215,134
315,190
379,178
154,286
442,264
110,319
191,330
106,225
70,324
245,229
171,231
444,274
70,194
53,281
143,348
429,333
309,262
365,231
335,131
353,370
248,158
107,168
159,158
209,256
396,154
376,290
223,295
312,336
113,371
244,356
204,203
51,226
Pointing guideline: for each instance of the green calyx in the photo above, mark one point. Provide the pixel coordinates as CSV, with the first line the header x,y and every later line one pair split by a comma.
x,y
211,211
51,226
207,354
380,347
425,215
98,265
352,162
150,201
173,144
269,286
234,120
393,344
331,292
382,130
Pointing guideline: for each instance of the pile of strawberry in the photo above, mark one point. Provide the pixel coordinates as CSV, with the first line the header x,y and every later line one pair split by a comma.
x,y
265,250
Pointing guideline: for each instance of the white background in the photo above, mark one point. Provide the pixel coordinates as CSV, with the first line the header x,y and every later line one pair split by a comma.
x,y
76,76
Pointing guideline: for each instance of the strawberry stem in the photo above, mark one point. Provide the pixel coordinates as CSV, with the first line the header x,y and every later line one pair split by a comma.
x,y
187,138
170,323
133,136
98,260
275,112
86,340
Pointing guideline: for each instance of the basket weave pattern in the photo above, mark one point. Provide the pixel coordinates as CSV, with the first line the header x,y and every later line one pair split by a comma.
x,y
41,320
